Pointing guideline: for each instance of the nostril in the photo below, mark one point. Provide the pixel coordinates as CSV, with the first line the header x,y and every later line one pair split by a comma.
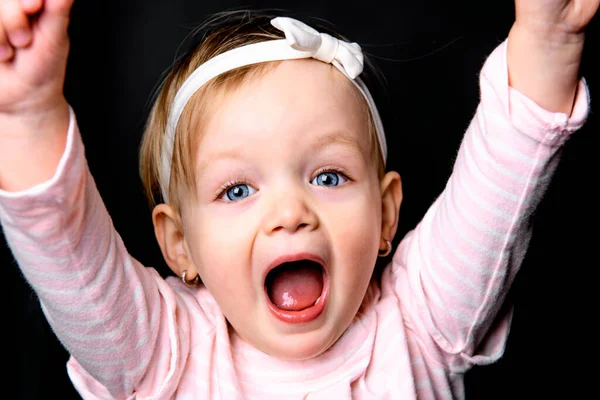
x,y
282,228
291,217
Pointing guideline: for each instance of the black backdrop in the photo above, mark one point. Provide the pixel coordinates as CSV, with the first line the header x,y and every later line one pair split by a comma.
x,y
430,53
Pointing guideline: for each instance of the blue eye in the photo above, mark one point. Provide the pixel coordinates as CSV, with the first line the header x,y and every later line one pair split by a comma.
x,y
239,192
329,178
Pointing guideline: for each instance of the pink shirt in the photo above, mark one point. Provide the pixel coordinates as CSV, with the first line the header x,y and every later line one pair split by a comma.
x,y
437,311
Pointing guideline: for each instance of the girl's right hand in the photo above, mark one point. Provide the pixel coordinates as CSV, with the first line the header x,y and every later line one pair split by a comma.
x,y
34,46
34,114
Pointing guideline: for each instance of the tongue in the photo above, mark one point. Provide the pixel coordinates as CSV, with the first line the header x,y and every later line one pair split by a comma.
x,y
295,286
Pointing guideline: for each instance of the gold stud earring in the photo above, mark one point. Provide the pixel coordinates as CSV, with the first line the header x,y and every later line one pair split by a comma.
x,y
191,283
387,250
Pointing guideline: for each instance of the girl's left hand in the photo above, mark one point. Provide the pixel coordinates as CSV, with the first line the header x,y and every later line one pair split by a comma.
x,y
555,17
545,45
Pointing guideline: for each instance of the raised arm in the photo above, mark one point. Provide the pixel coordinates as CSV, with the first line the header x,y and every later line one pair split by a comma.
x,y
454,270
102,304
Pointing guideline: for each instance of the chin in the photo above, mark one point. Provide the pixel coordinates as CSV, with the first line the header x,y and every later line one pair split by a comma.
x,y
300,346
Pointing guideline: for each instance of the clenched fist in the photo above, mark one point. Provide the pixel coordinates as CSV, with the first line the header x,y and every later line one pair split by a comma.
x,y
33,53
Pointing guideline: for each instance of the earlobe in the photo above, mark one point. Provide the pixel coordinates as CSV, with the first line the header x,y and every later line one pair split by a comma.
x,y
170,238
391,198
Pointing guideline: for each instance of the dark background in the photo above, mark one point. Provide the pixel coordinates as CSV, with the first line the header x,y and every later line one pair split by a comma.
x,y
430,53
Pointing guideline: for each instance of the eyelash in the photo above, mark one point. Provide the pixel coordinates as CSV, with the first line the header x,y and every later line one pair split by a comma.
x,y
224,188
330,169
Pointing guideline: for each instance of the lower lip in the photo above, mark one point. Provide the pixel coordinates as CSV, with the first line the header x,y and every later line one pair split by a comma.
x,y
302,316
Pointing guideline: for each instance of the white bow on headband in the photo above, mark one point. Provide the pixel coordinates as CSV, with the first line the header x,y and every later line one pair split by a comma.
x,y
347,57
301,41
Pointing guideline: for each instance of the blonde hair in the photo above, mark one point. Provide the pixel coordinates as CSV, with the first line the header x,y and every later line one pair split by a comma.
x,y
223,32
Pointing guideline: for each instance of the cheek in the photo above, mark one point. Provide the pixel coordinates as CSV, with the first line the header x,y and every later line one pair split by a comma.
x,y
356,238
360,243
355,242
221,251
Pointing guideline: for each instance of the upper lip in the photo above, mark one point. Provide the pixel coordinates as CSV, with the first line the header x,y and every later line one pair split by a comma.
x,y
291,258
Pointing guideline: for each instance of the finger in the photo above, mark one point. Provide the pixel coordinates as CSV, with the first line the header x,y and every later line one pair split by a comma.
x,y
54,19
6,50
32,6
58,7
16,23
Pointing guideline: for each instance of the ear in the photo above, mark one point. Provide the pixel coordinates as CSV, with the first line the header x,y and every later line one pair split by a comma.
x,y
391,198
170,238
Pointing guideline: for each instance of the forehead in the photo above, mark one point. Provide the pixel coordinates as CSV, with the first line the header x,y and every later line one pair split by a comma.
x,y
288,103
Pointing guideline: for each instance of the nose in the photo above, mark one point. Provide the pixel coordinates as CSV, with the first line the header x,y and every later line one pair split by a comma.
x,y
290,211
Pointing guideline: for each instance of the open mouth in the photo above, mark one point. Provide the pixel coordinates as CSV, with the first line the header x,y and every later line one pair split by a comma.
x,y
297,290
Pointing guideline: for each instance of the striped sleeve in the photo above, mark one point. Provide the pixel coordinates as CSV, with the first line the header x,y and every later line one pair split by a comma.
x,y
101,303
454,269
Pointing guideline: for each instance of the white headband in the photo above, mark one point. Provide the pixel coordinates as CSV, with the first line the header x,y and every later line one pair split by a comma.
x,y
301,41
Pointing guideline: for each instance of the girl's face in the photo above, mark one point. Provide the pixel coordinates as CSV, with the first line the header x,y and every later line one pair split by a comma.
x,y
284,172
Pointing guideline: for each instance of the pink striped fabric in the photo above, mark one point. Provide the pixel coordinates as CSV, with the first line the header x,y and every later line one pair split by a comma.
x,y
438,311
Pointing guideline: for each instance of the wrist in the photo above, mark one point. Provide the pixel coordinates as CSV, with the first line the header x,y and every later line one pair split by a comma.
x,y
34,121
31,146
549,38
544,65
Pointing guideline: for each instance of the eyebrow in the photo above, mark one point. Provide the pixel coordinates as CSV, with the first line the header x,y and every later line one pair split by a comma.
x,y
335,138
318,144
227,154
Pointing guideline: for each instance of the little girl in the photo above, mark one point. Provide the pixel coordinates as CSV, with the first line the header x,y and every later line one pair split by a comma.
x,y
264,157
